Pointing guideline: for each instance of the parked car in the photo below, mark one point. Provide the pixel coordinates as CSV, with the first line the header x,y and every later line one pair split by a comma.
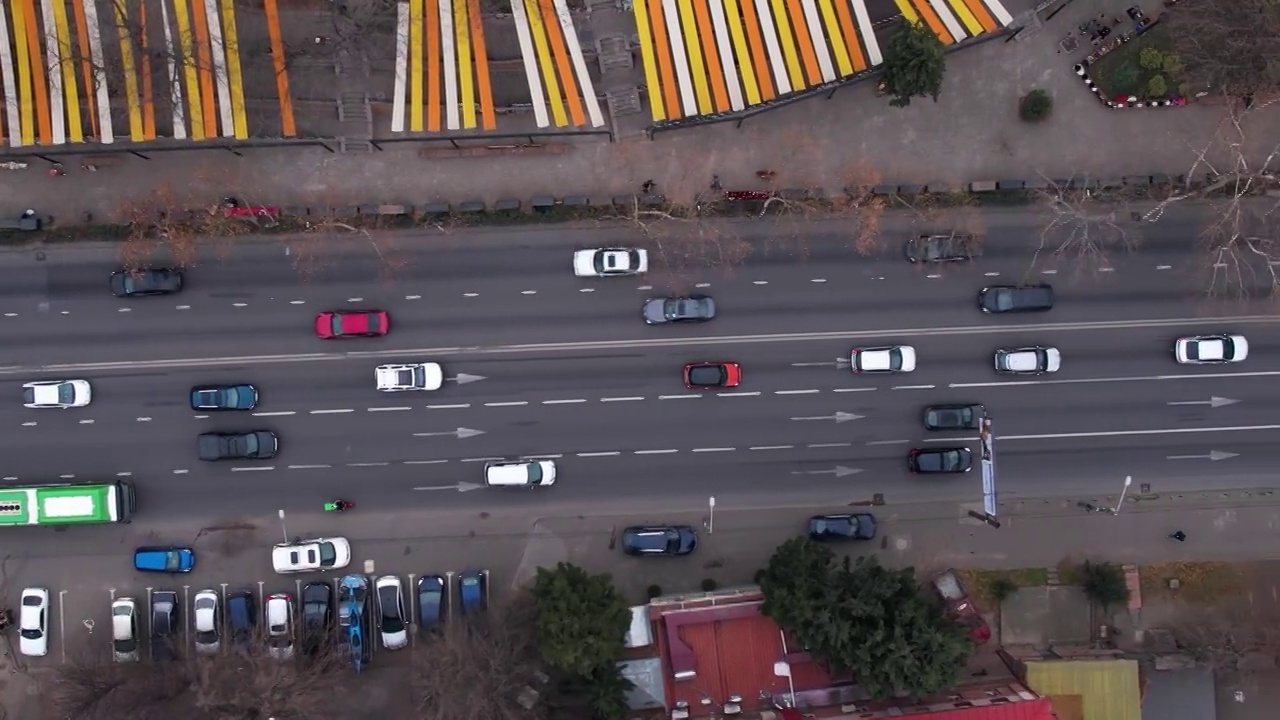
x,y
888,359
1016,298
473,589
711,375
353,594
242,617
940,460
521,473
164,559
253,445
147,281
33,622
207,611
60,394
224,397
431,602
124,630
659,540
279,616
415,376
1028,361
317,616
1211,349
311,555
943,418
352,323
391,615
960,607
858,526
941,248
607,262
692,309
164,624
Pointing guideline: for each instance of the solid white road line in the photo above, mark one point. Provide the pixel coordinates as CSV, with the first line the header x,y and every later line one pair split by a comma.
x,y
1114,433
1133,378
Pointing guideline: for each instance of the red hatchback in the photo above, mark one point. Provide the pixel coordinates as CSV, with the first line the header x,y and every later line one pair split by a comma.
x,y
707,375
352,323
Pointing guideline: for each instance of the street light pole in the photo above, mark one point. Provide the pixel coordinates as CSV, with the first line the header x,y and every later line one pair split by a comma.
x,y
284,530
711,517
1128,480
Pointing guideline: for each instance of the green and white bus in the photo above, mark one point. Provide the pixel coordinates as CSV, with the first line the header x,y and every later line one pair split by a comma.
x,y
67,504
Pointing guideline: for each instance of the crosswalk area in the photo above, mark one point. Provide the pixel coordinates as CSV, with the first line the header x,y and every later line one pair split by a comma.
x,y
703,57
442,67
80,71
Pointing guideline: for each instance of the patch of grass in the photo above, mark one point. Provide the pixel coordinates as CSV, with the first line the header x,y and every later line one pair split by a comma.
x,y
1198,582
1121,72
981,583
1070,572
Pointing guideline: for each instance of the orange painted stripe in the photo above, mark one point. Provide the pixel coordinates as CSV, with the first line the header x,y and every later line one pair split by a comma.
x,y
931,18
204,52
148,99
758,55
981,15
38,81
431,19
555,37
86,66
707,34
287,125
851,36
662,47
483,87
805,41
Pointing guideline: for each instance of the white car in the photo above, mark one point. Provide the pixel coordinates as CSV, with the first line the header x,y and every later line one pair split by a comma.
x,y
391,617
311,555
520,473
1207,349
33,622
1028,361
56,394
279,615
418,376
124,630
890,359
607,262
208,627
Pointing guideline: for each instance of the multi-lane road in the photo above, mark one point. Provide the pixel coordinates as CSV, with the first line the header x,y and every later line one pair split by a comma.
x,y
541,363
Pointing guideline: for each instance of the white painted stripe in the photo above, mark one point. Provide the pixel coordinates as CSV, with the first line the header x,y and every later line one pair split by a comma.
x,y
175,81
458,406
451,108
424,462
655,452
10,89
220,66
541,457
1120,433
278,413
529,56
770,32
632,398
828,445
819,39
913,387
564,402
867,31
1130,378
949,20
678,397
372,464
482,459
53,68
998,10
726,56
516,403
579,63
600,454
389,409
402,67
795,392
340,411
853,390
309,467
675,39
258,468
715,450
737,394
771,447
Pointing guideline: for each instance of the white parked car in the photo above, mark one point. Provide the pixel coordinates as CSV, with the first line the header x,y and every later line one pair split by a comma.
x,y
607,262
124,630
33,622
890,359
279,614
207,615
391,616
311,555
417,376
56,394
1028,361
1207,349
520,473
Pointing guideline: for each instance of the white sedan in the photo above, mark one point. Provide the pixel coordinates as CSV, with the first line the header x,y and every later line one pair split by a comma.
x,y
895,358
33,622
56,394
316,555
279,614
1206,349
418,376
391,616
607,262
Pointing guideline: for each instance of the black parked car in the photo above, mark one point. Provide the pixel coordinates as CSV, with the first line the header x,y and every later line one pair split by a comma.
x,y
431,600
1016,298
153,281
695,308
317,616
164,624
254,445
953,417
224,397
659,540
242,617
859,526
941,248
940,460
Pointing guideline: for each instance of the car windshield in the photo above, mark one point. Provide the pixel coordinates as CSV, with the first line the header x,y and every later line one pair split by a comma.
x,y
228,396
837,526
328,554
172,560
32,633
706,375
895,359
429,603
66,393
28,395
126,645
251,444
1004,299
416,377
672,540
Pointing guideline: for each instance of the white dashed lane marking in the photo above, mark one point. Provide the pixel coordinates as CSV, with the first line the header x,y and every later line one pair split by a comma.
x,y
714,450
337,411
655,452
253,468
771,447
309,467
456,406
278,413
610,453
516,403
914,387
677,397
400,408
622,399
796,392
738,394
564,402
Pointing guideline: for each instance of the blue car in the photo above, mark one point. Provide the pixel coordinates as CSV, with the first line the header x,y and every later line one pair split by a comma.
x,y
224,397
353,591
164,559
473,586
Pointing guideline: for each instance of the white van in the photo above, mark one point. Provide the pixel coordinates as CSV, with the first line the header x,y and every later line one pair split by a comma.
x,y
521,473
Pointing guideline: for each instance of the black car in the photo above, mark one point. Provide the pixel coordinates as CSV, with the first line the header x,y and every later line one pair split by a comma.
x,y
859,526
164,624
695,308
431,599
1016,298
242,617
941,248
254,445
317,616
659,540
224,397
153,281
953,417
940,460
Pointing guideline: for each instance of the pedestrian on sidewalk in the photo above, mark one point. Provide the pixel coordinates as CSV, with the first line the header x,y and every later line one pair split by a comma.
x,y
646,187
716,184
1179,536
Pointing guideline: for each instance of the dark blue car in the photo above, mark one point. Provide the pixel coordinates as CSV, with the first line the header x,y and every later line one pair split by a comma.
x,y
224,397
473,587
164,559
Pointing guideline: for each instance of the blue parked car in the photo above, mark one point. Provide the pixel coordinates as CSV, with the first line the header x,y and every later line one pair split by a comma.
x,y
164,559
473,586
224,397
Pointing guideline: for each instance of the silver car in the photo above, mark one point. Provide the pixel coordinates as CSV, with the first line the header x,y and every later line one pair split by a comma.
x,y
208,618
695,308
124,630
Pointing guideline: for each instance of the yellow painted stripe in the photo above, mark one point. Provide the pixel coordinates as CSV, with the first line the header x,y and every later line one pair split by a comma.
x,y
545,63
980,12
23,61
933,21
707,34
741,51
130,72
415,65
689,28
144,51
43,122
466,73
239,122
434,61
188,63
837,39
204,54
641,10
787,40
759,52
558,49
970,22
907,11
851,35
804,41
75,131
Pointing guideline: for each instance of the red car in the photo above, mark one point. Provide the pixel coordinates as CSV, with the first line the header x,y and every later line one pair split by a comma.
x,y
352,323
707,375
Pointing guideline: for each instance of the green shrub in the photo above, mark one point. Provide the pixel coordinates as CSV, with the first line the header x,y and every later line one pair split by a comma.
x,y
1151,58
708,585
1156,87
1002,588
758,576
654,591
1172,64
1035,106
1104,583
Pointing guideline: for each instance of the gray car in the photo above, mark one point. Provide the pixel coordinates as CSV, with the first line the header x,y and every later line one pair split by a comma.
x,y
695,308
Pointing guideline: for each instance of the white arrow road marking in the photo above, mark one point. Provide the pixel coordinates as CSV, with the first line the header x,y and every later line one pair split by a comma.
x,y
1215,401
838,471
1212,456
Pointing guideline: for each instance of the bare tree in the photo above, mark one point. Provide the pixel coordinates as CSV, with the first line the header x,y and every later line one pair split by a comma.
x,y
1223,635
1228,46
1085,228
